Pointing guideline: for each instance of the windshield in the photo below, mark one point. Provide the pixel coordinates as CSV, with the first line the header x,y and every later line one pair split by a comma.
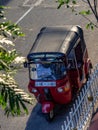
x,y
47,71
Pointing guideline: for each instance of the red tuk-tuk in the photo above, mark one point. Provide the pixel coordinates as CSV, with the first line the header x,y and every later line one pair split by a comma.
x,y
58,66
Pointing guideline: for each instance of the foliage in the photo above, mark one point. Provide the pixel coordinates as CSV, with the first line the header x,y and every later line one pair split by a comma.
x,y
93,9
12,98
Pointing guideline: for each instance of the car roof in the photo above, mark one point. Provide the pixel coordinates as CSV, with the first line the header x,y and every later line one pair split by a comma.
x,y
56,39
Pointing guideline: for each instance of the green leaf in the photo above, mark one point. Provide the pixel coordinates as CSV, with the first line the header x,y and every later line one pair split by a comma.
x,y
2,49
67,1
85,12
11,101
2,91
90,26
5,98
24,106
3,102
4,64
7,111
10,29
74,1
17,106
2,7
4,24
61,2
1,99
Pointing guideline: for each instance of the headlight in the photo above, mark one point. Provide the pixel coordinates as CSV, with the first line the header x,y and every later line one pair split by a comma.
x,y
34,90
60,90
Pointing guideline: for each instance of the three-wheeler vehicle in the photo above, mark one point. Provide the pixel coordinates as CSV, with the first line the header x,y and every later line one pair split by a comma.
x,y
58,65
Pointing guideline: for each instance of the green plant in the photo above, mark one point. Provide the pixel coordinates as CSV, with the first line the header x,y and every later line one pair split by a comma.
x,y
93,9
12,99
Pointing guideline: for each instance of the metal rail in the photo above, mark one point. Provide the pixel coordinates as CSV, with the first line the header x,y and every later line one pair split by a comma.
x,y
84,106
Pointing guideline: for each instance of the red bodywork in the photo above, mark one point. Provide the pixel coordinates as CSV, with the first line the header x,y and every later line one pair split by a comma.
x,y
73,55
74,79
57,97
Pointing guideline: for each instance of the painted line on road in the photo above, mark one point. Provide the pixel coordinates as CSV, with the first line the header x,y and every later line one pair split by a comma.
x,y
29,10
25,2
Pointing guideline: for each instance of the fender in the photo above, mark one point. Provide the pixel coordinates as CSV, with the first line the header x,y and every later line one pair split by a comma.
x,y
47,107
88,65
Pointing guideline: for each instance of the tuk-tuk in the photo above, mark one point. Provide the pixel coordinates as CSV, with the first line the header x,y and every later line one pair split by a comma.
x,y
58,65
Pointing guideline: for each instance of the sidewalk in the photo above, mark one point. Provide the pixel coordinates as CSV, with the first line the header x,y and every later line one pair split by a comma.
x,y
94,123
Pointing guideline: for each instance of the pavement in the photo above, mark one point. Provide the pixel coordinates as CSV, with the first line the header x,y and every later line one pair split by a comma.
x,y
94,123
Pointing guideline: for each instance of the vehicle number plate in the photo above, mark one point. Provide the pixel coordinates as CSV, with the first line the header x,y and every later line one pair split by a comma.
x,y
43,84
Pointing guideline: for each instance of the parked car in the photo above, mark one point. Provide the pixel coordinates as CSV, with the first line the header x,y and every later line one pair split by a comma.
x,y
58,65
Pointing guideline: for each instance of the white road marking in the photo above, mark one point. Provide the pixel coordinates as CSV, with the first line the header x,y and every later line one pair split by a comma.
x,y
26,1
28,11
38,2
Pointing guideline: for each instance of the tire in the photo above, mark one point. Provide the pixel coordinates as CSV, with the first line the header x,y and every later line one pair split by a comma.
x,y
49,116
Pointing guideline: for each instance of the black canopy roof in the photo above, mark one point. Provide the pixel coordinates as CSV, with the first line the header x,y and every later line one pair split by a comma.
x,y
58,39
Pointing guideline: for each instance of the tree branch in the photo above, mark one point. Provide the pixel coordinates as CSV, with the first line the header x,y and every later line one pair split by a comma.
x,y
92,10
95,7
89,20
85,17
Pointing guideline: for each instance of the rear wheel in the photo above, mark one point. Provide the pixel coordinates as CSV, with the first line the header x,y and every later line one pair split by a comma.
x,y
49,116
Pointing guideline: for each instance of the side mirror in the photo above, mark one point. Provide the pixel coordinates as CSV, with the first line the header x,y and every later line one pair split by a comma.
x,y
25,64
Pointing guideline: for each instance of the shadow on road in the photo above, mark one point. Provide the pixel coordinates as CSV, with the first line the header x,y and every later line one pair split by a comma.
x,y
37,121
4,2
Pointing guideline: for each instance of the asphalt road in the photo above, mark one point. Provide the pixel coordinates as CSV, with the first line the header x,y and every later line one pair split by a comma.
x,y
32,15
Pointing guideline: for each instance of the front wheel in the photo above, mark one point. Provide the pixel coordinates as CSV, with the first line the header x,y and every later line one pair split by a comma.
x,y
49,116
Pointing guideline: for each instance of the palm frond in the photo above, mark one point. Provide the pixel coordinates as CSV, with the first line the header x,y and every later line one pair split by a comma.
x,y
12,98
